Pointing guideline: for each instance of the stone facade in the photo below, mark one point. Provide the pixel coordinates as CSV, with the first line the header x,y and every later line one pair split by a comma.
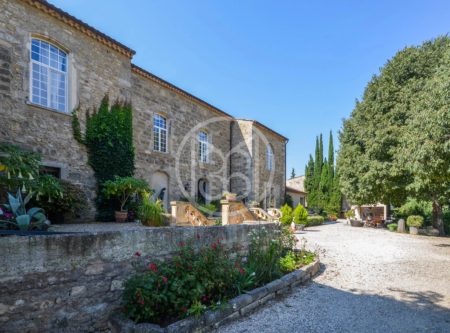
x,y
39,292
295,187
98,65
250,175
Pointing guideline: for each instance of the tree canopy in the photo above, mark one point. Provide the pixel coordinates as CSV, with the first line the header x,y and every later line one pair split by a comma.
x,y
396,143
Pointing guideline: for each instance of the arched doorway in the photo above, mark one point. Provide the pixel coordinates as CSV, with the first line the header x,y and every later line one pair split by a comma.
x,y
203,191
159,182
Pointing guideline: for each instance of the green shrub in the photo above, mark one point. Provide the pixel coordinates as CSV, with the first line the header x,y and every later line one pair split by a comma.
x,y
188,284
300,214
124,188
414,221
392,227
350,214
109,142
150,213
18,168
414,207
287,212
314,220
58,196
294,260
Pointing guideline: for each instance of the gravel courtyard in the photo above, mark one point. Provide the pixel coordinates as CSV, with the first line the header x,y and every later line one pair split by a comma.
x,y
371,281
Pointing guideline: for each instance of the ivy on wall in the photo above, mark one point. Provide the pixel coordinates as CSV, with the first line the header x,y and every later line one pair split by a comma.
x,y
109,141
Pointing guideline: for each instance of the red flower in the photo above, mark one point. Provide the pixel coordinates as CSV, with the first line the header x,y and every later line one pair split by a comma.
x,y
181,244
137,254
142,302
242,271
214,246
153,267
198,236
164,279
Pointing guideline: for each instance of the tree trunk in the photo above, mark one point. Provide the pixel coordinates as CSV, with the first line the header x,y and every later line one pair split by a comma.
x,y
438,217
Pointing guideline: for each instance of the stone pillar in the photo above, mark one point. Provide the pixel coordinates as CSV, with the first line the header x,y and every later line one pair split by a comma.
x,y
225,211
174,210
401,226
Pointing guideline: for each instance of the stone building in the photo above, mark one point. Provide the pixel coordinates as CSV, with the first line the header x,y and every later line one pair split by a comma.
x,y
52,63
295,187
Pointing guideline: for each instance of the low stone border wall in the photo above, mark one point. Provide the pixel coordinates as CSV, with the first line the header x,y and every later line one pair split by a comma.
x,y
237,307
73,283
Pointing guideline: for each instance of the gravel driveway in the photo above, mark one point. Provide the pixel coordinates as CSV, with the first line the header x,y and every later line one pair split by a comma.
x,y
371,281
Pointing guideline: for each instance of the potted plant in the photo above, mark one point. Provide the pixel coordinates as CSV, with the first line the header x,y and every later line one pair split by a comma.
x,y
349,214
230,196
414,222
123,189
150,213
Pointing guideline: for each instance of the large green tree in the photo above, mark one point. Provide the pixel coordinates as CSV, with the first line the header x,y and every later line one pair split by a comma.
x,y
396,142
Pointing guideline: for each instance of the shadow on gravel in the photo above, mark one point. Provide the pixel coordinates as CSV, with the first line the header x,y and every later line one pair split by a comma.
x,y
337,310
442,245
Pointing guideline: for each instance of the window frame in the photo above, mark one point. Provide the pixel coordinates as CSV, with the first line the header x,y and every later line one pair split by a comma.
x,y
203,154
269,157
160,129
49,69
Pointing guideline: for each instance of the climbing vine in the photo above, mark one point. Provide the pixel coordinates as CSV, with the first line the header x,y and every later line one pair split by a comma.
x,y
109,141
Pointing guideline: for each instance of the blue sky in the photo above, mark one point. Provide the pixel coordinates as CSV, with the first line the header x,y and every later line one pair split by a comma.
x,y
296,66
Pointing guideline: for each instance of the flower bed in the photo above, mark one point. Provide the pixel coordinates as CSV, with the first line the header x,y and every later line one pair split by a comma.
x,y
198,282
235,308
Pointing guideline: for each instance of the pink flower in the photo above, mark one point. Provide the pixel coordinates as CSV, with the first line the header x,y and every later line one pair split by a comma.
x,y
153,267
137,254
164,279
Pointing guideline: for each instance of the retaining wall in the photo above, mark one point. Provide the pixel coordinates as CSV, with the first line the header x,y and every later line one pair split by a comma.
x,y
72,283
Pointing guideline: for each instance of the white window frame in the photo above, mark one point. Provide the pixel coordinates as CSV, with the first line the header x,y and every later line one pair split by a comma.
x,y
49,69
203,147
269,157
159,133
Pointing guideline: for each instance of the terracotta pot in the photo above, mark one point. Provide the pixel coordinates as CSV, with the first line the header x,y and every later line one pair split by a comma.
x,y
121,216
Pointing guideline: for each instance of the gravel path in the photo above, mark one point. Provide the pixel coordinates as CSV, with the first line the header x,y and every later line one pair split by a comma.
x,y
371,281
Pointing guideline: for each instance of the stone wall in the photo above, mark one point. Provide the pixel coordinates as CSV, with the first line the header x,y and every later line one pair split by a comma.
x,y
249,163
185,120
72,283
94,71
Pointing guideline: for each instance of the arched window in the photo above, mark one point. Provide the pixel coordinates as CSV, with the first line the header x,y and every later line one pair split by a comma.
x,y
159,133
269,157
48,82
203,147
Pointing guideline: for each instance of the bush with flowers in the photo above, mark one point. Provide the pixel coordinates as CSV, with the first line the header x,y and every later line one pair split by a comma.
x,y
201,277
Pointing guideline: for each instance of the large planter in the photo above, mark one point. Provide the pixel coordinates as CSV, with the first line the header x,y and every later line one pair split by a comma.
x,y
121,216
356,223
413,230
235,308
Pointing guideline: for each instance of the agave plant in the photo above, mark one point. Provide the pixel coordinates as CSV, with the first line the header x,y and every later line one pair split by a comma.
x,y
23,219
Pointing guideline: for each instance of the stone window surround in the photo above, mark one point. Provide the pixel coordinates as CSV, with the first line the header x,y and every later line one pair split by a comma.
x,y
70,74
207,148
160,129
152,149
